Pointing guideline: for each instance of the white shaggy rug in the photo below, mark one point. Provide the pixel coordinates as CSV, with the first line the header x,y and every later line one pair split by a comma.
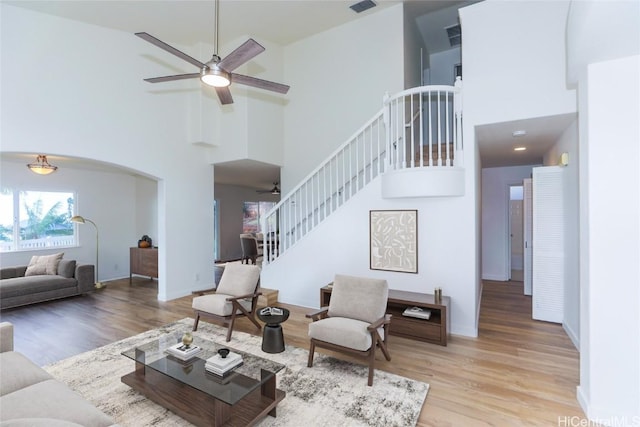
x,y
331,393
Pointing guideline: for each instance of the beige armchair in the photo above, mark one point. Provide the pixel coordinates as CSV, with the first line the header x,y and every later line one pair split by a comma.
x,y
355,321
236,295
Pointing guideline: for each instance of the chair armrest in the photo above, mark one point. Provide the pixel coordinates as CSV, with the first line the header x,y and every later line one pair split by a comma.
x,y
319,314
257,294
381,321
6,337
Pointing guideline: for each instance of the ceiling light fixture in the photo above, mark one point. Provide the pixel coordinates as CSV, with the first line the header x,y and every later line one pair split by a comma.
x,y
212,75
518,133
520,149
42,166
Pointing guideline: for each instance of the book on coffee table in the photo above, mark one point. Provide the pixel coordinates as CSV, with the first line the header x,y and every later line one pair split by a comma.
x,y
221,365
417,312
183,352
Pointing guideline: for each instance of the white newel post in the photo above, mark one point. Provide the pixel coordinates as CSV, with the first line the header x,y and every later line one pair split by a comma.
x,y
457,103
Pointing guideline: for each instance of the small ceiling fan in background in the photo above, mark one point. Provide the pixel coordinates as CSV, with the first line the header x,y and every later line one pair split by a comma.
x,y
218,72
275,190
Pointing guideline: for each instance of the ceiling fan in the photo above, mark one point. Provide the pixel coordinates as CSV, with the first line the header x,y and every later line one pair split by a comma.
x,y
217,72
275,190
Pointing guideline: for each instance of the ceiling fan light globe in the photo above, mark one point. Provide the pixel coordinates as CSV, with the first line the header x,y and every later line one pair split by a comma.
x,y
215,77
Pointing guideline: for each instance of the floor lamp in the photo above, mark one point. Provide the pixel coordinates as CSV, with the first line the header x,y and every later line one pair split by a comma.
x,y
81,220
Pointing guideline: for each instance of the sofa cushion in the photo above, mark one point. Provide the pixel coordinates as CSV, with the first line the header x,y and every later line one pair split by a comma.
x,y
21,286
37,422
19,372
44,264
67,268
51,399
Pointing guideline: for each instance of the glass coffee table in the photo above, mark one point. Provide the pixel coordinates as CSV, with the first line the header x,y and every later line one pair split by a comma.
x,y
241,397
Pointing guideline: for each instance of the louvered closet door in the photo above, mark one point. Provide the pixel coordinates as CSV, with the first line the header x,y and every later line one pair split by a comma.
x,y
548,244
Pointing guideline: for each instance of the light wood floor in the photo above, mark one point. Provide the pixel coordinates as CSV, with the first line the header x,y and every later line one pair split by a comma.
x,y
517,372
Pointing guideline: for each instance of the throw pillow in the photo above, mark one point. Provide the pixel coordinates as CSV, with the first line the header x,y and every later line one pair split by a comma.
x,y
44,264
67,268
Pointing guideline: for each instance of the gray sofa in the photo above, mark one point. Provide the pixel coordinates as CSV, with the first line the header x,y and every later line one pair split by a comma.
x,y
72,279
29,396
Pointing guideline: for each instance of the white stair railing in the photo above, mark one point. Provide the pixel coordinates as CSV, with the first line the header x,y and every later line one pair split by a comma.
x,y
425,121
424,127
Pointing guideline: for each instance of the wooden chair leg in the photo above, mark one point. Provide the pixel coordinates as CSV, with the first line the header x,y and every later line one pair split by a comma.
x,y
372,359
312,349
195,323
233,319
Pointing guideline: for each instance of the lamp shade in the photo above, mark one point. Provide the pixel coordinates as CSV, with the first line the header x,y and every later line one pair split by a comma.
x,y
42,166
78,219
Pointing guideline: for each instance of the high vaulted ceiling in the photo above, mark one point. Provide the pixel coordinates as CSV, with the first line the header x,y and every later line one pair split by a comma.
x,y
285,21
189,22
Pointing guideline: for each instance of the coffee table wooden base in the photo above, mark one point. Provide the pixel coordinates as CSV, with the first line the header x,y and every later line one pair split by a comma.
x,y
201,409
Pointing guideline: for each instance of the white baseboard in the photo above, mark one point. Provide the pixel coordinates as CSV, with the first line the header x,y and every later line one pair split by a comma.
x,y
575,339
495,277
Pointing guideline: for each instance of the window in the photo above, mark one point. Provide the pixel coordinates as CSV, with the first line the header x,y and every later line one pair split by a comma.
x,y
32,220
253,212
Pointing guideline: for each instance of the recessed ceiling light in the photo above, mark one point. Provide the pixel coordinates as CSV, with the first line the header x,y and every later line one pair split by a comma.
x,y
519,133
519,148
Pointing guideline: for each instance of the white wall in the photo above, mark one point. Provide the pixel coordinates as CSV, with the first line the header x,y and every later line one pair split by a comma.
x,y
600,30
514,61
341,245
113,208
338,81
252,127
442,65
495,219
90,101
609,96
416,57
568,143
610,240
230,201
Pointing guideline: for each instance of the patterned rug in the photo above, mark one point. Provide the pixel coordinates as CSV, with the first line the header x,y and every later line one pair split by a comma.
x,y
332,393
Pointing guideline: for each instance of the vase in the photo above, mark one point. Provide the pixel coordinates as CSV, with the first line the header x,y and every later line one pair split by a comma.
x,y
187,339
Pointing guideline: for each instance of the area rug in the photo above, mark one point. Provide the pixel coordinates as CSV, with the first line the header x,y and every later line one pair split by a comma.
x,y
331,393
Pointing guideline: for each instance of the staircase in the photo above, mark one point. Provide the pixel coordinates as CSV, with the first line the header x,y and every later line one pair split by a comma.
x,y
417,129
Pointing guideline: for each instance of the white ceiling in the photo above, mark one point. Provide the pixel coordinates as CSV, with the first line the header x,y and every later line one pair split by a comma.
x,y
496,141
285,21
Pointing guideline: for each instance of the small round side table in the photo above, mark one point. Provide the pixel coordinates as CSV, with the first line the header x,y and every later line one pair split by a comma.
x,y
272,336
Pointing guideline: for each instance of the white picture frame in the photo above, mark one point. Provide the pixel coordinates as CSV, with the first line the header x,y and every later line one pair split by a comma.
x,y
393,240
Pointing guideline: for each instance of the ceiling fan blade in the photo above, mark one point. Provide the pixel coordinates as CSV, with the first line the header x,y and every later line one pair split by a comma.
x,y
224,94
170,78
170,49
242,54
259,83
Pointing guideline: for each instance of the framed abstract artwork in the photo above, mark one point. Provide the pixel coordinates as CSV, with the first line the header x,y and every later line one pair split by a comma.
x,y
393,240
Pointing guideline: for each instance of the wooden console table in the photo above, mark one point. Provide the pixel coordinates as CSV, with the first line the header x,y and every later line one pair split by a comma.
x,y
433,330
143,261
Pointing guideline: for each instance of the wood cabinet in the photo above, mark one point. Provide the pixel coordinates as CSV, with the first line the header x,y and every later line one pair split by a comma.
x,y
433,330
143,261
